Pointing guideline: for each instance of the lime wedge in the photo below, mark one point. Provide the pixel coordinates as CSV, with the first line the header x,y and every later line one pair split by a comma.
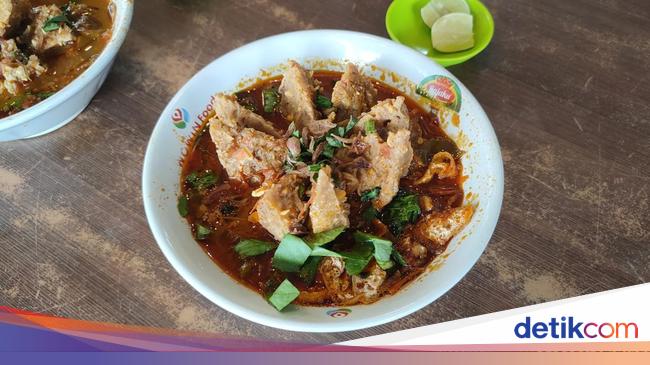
x,y
434,9
453,32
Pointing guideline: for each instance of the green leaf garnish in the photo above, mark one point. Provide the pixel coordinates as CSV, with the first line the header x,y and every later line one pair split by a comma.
x,y
202,180
320,251
207,180
354,266
333,141
55,23
399,258
351,123
357,258
182,206
328,151
283,295
15,103
192,178
308,271
385,265
202,232
322,102
369,214
44,94
270,99
249,106
319,239
315,167
382,248
251,247
291,254
370,126
371,194
402,211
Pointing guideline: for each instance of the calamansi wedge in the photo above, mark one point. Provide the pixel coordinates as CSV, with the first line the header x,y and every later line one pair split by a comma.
x,y
434,9
453,32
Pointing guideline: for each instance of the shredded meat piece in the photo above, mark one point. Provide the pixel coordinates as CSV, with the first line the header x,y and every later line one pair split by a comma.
x,y
15,70
297,104
43,41
231,112
279,208
353,94
243,150
328,209
389,162
390,113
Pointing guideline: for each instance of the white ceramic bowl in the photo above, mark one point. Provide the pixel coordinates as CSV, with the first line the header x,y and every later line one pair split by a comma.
x,y
62,107
482,163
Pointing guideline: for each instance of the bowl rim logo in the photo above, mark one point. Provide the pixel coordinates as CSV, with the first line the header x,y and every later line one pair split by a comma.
x,y
339,313
441,90
180,118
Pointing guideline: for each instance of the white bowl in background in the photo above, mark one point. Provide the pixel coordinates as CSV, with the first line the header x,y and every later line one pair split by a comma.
x,y
161,175
62,107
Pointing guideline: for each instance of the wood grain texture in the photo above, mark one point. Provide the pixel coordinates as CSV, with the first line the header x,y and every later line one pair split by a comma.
x,y
565,83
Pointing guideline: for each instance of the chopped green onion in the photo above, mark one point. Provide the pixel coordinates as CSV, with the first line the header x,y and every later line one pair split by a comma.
x,y
249,106
202,181
371,194
351,123
207,180
270,99
54,23
333,142
182,206
328,151
202,232
370,126
192,178
315,167
322,102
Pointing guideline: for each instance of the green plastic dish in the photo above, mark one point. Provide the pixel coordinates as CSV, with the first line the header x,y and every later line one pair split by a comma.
x,y
404,25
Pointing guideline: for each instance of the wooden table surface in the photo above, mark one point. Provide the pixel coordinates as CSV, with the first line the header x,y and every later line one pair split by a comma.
x,y
566,85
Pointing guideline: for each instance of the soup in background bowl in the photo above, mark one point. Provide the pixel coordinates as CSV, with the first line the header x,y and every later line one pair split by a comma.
x,y
54,56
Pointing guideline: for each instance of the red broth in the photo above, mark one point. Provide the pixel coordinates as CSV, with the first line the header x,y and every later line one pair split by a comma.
x,y
226,206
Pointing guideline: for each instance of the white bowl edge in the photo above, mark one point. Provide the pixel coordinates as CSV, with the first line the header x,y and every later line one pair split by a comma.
x,y
18,126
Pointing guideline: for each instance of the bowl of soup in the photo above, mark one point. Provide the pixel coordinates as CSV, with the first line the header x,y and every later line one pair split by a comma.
x,y
341,183
54,56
